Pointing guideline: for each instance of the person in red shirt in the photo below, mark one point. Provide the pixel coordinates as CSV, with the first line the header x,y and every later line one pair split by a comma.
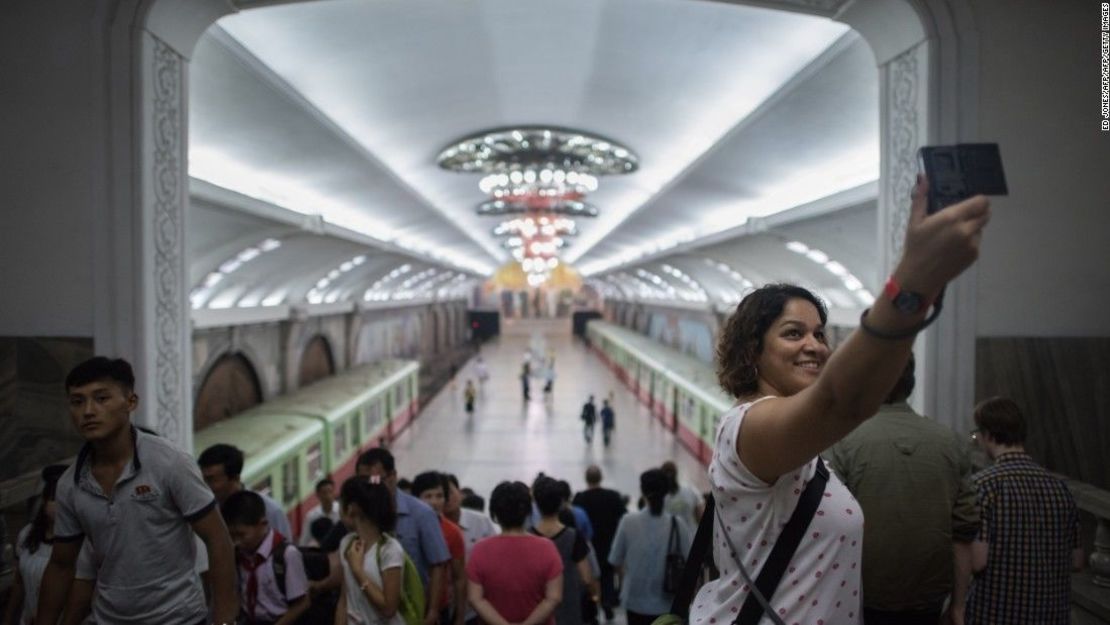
x,y
516,578
431,488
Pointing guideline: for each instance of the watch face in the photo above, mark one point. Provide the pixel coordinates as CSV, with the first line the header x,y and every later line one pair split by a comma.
x,y
907,302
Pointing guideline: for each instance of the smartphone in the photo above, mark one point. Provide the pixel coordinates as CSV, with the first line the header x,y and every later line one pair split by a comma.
x,y
957,172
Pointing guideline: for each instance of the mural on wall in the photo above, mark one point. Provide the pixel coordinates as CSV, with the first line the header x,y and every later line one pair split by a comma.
x,y
316,361
683,332
389,337
230,387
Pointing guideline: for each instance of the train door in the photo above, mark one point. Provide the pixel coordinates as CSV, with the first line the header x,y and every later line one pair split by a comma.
x,y
674,413
387,404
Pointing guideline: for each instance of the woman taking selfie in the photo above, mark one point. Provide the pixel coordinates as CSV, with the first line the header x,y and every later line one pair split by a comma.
x,y
794,400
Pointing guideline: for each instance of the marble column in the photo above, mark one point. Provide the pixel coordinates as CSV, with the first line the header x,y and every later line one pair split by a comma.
x,y
163,313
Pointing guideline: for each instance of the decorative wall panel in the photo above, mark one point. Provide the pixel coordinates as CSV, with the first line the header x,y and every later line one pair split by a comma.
x,y
1063,386
35,428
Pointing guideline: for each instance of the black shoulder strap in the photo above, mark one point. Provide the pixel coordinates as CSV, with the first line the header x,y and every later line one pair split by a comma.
x,y
699,549
771,573
277,559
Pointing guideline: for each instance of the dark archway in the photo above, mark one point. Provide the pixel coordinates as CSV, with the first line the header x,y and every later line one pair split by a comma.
x,y
316,361
230,387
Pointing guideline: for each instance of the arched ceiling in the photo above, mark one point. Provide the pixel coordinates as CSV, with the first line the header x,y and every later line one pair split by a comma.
x,y
317,125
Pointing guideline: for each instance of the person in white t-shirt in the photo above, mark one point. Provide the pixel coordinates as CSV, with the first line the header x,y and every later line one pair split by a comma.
x,y
372,560
681,500
794,400
33,546
328,508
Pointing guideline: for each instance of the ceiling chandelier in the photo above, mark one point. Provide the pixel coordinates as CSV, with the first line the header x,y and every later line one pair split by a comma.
x,y
532,226
541,176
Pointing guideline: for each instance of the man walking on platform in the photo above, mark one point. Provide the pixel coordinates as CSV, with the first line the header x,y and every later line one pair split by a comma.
x,y
912,477
1028,543
608,421
604,507
589,417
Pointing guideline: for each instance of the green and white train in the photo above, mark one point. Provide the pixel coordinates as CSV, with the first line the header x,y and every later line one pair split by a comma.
x,y
680,390
293,441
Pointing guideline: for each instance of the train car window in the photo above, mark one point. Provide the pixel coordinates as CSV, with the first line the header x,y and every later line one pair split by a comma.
x,y
340,443
265,486
372,417
290,482
314,462
398,397
356,438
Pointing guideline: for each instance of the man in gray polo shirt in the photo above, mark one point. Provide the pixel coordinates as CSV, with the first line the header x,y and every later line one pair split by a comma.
x,y
137,499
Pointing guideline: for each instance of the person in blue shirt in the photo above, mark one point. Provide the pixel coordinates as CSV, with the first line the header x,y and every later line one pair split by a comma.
x,y
608,421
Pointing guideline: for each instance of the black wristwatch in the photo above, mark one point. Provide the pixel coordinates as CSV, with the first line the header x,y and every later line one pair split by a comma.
x,y
904,301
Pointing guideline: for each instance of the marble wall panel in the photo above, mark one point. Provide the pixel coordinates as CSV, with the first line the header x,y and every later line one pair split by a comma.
x,y
1063,386
34,425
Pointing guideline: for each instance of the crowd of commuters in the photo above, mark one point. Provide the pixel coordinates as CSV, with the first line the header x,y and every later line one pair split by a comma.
x,y
136,531
154,536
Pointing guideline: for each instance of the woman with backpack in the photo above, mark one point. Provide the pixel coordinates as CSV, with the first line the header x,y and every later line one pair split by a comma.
x,y
373,561
573,549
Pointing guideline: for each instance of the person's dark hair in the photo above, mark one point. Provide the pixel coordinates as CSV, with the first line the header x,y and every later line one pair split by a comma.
x,y
405,484
243,508
1001,417
428,480
653,486
230,456
320,528
548,495
510,504
741,339
566,517
100,368
377,455
564,490
474,501
327,481
451,478
904,386
670,469
372,500
36,536
593,475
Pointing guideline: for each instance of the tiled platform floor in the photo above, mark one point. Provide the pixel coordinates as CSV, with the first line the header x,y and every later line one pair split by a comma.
x,y
508,438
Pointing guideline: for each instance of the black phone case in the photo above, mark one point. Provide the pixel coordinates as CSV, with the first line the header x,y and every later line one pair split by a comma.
x,y
957,172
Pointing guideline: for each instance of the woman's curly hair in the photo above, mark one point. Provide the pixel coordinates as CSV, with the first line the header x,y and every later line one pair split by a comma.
x,y
741,340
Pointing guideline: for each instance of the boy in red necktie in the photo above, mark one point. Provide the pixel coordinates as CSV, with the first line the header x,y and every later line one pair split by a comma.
x,y
273,587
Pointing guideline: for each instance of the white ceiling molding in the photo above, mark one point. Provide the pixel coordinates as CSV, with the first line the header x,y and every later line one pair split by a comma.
x,y
825,206
233,200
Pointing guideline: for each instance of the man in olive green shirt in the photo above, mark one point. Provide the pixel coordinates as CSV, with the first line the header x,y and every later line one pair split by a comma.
x,y
911,476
